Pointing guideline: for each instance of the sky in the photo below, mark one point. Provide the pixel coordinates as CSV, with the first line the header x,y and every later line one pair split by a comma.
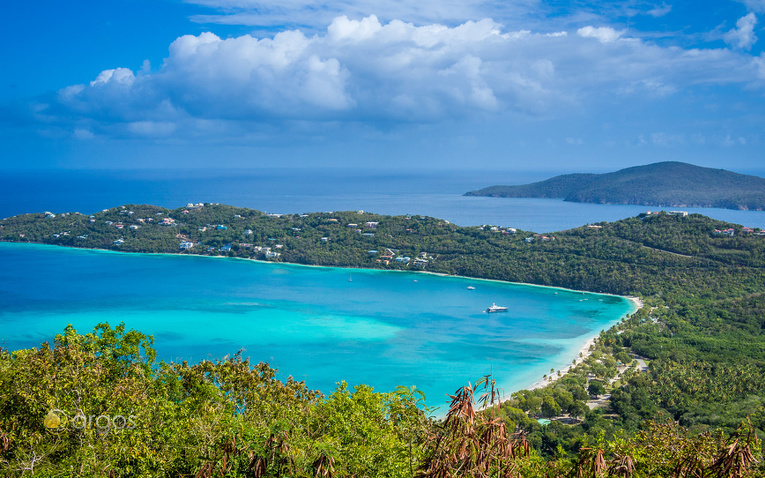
x,y
386,84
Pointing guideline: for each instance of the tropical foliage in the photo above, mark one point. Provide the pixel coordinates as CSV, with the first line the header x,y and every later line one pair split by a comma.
x,y
99,405
113,411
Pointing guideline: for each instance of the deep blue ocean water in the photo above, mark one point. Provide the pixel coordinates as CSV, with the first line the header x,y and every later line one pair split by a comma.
x,y
437,194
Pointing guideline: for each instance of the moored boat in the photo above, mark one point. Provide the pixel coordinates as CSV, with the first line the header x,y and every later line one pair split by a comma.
x,y
496,308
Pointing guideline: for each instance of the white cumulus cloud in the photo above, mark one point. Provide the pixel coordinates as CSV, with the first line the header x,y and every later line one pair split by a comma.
x,y
117,75
603,34
362,70
743,35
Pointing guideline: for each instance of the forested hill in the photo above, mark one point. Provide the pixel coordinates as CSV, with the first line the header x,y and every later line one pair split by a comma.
x,y
619,258
673,184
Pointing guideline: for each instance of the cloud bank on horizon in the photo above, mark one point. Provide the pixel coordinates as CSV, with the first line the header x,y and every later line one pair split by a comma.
x,y
433,63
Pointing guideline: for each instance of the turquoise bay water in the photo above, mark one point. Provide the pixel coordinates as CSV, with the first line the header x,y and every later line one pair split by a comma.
x,y
317,324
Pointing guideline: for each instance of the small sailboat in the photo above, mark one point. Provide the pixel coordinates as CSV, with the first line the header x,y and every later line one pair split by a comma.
x,y
350,278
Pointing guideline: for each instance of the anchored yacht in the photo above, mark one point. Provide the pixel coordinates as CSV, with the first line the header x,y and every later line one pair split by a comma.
x,y
496,308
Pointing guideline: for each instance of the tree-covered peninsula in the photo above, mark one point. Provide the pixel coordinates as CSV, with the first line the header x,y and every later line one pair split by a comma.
x,y
685,374
672,184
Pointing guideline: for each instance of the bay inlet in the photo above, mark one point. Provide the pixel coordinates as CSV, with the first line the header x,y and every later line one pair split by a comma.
x,y
381,328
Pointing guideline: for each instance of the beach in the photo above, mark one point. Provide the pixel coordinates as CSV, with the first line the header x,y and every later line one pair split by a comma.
x,y
584,352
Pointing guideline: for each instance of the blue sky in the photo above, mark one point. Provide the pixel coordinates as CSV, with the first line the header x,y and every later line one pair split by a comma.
x,y
454,84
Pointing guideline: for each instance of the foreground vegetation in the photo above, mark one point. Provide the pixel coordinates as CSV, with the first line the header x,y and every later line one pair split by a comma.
x,y
99,405
701,333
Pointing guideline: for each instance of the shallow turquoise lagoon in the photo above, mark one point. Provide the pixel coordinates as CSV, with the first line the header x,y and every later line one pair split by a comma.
x,y
318,324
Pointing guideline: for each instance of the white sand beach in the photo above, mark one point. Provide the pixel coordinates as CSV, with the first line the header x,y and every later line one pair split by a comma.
x,y
583,353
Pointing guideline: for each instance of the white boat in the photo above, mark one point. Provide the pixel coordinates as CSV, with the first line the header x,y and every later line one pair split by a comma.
x,y
496,308
470,287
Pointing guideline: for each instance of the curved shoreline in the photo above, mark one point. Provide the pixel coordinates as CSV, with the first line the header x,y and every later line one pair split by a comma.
x,y
584,350
296,264
524,383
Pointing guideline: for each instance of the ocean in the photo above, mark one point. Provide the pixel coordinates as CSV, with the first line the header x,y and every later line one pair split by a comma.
x,y
432,193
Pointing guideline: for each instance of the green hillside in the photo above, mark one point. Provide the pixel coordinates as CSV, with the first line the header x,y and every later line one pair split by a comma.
x,y
671,184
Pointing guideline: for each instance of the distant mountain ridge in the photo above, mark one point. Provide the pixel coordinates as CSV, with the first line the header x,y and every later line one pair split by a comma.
x,y
670,184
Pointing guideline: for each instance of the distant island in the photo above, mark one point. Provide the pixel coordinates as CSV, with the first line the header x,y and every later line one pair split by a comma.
x,y
669,184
